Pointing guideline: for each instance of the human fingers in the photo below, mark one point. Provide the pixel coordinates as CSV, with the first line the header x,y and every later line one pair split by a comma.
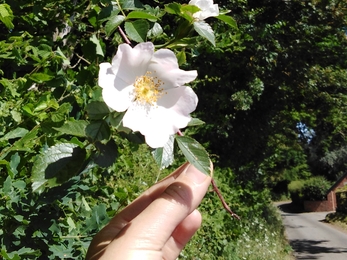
x,y
182,234
147,234
108,233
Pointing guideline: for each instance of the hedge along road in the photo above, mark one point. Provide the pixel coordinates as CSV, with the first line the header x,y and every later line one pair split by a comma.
x,y
310,237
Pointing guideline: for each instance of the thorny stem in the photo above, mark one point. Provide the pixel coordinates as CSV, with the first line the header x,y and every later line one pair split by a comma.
x,y
225,205
219,194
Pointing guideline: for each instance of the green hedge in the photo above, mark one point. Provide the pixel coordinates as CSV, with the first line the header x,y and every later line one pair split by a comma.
x,y
315,188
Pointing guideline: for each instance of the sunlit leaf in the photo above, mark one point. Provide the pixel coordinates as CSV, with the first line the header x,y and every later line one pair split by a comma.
x,y
96,41
137,30
195,153
164,156
228,20
141,15
195,121
113,24
56,165
205,30
75,128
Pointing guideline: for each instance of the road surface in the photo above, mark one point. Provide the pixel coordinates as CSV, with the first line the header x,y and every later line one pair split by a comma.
x,y
311,238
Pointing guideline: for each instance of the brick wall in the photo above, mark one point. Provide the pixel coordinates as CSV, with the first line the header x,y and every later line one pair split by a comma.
x,y
325,205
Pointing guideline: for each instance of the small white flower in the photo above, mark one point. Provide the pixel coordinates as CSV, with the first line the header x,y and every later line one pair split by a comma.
x,y
207,9
150,86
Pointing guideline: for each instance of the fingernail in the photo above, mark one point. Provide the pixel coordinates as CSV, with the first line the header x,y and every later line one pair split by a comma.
x,y
195,175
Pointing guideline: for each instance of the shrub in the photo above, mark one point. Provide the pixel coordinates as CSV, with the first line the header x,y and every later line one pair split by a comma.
x,y
295,191
316,188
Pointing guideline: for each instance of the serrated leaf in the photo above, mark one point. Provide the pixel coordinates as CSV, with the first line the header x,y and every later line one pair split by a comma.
x,y
97,110
75,128
195,121
98,130
205,30
113,24
141,15
56,165
130,4
195,153
164,156
16,133
96,41
228,20
137,30
59,115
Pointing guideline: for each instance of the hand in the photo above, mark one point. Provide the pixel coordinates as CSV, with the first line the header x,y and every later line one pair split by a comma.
x,y
159,223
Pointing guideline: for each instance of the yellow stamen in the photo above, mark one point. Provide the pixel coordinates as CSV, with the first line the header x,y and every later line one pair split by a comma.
x,y
147,89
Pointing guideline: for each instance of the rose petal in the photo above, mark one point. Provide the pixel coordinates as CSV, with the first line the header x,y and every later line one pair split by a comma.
x,y
130,63
208,9
118,100
164,66
182,100
106,76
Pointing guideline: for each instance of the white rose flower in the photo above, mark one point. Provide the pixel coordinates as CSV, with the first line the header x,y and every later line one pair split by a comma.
x,y
149,86
207,9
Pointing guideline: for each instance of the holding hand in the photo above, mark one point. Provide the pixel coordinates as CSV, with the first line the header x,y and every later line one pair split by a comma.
x,y
159,223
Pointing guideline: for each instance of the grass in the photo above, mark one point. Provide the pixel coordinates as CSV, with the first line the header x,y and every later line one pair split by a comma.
x,y
337,219
264,239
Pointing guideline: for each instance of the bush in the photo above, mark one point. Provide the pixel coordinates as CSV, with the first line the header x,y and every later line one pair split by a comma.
x,y
316,188
295,191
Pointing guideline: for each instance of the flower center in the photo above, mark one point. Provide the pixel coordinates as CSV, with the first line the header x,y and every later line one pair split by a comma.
x,y
147,89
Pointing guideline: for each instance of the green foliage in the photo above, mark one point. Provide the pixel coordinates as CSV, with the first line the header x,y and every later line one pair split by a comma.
x,y
316,188
66,159
295,190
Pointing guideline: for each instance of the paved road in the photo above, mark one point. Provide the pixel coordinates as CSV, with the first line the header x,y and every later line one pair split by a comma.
x,y
311,238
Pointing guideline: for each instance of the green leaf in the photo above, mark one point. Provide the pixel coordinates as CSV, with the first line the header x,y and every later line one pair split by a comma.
x,y
16,133
195,153
155,31
56,165
130,4
97,110
15,160
185,11
66,61
195,121
6,16
113,24
75,128
137,30
228,20
141,15
164,156
181,57
98,130
96,41
60,114
41,77
23,144
205,30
